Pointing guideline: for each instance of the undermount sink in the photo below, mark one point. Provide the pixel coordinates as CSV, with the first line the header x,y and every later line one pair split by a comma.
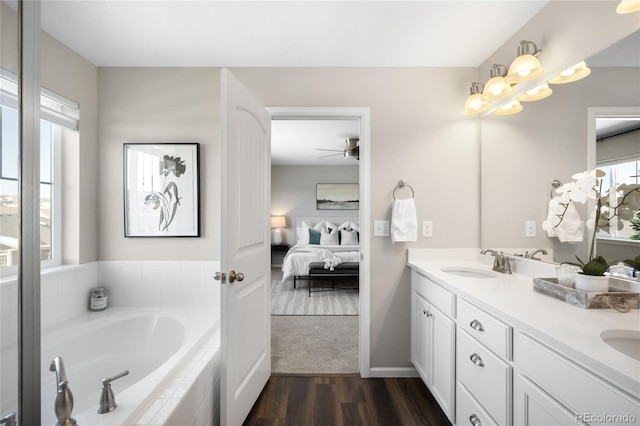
x,y
624,341
468,272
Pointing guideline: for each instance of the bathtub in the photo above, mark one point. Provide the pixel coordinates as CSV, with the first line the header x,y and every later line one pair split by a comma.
x,y
172,356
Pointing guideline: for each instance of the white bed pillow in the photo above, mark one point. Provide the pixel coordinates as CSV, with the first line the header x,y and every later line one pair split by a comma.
x,y
348,226
329,238
330,227
348,238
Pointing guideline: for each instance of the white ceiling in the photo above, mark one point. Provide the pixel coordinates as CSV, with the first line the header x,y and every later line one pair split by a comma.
x,y
288,33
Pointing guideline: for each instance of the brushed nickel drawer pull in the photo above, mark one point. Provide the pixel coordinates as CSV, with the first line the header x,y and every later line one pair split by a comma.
x,y
475,420
476,325
475,358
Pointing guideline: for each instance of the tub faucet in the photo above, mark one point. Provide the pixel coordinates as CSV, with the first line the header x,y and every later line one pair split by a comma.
x,y
64,398
528,255
501,263
107,399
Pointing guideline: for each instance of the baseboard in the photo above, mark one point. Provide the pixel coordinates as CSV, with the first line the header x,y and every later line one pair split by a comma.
x,y
394,372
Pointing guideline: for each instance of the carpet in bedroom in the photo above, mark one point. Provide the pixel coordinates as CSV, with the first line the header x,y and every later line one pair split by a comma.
x,y
286,300
314,344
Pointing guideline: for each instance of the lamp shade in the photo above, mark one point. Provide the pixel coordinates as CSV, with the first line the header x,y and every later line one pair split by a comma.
x,y
510,108
575,73
540,92
278,222
474,103
526,66
496,87
628,6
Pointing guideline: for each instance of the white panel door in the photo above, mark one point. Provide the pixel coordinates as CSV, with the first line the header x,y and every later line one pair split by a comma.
x,y
245,239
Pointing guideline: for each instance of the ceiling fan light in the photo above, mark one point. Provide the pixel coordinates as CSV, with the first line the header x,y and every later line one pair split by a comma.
x,y
509,108
474,103
575,73
540,92
628,6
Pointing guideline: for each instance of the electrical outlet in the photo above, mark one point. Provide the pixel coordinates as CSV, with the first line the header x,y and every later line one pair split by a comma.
x,y
381,228
530,228
427,228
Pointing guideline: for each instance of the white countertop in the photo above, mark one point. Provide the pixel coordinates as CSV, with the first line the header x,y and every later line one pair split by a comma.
x,y
571,330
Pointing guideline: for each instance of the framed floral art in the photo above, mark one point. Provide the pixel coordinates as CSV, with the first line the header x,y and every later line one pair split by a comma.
x,y
161,190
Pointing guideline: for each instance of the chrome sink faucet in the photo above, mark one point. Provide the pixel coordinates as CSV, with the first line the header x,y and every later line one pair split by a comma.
x,y
502,263
64,398
528,255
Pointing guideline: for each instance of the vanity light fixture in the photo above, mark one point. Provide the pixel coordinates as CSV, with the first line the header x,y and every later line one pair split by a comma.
x,y
628,6
474,103
540,92
526,66
575,73
509,108
496,87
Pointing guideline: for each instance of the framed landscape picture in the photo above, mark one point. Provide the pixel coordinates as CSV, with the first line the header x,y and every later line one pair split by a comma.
x,y
161,190
337,196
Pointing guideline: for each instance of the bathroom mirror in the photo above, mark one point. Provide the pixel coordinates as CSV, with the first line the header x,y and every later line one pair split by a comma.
x,y
550,140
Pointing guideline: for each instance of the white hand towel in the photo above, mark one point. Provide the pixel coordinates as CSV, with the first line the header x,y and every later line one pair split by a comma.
x,y
404,222
570,230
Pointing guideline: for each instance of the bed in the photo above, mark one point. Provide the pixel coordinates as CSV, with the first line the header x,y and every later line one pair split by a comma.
x,y
338,243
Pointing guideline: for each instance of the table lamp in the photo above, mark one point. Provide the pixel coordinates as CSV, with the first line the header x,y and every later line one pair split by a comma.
x,y
278,222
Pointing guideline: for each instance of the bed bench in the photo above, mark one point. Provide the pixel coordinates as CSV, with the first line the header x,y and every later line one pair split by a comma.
x,y
317,271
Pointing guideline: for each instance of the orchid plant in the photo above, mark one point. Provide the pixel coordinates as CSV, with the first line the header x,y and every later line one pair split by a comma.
x,y
619,202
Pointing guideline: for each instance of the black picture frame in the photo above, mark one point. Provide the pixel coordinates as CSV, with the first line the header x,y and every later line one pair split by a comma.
x,y
161,186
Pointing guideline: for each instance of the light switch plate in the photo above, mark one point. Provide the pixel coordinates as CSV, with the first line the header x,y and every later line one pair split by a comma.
x,y
530,228
427,228
381,228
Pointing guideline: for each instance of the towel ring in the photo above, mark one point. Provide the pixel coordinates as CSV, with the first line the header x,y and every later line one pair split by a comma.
x,y
402,184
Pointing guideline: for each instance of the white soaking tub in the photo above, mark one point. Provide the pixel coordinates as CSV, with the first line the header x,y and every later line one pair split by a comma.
x,y
165,351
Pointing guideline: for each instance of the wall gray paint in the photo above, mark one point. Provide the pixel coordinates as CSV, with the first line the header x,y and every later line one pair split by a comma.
x,y
293,193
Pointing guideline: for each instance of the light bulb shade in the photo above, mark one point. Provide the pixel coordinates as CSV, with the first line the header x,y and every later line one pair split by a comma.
x,y
540,92
628,6
496,88
278,222
510,108
524,67
474,103
575,73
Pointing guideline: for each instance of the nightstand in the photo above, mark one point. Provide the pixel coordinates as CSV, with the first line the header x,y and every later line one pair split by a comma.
x,y
278,252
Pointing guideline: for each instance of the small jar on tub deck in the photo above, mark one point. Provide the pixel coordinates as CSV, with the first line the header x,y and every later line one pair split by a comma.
x,y
98,300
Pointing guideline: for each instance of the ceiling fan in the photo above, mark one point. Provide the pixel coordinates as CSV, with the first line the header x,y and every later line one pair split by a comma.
x,y
352,150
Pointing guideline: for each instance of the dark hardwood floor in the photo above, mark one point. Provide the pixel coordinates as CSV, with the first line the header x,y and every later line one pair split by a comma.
x,y
337,400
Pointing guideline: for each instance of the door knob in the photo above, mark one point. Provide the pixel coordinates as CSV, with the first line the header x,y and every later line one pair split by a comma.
x,y
220,276
235,276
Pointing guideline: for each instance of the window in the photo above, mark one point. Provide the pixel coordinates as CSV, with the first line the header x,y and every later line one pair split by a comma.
x,y
56,113
50,195
627,172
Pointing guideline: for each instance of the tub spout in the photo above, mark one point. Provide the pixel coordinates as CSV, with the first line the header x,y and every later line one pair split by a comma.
x,y
64,398
107,399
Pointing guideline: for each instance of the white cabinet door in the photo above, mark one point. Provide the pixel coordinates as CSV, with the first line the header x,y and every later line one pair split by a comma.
x,y
442,356
534,407
420,337
432,351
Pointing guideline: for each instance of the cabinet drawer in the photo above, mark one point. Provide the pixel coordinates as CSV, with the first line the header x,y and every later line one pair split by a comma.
x,y
576,388
495,334
487,377
468,411
437,295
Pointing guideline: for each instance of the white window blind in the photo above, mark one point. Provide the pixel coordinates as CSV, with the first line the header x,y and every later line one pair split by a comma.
x,y
53,107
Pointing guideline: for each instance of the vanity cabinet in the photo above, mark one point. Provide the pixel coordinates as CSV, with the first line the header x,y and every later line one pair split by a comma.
x,y
433,339
551,386
484,375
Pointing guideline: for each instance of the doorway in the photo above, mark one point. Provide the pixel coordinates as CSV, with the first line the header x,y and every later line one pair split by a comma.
x,y
359,323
